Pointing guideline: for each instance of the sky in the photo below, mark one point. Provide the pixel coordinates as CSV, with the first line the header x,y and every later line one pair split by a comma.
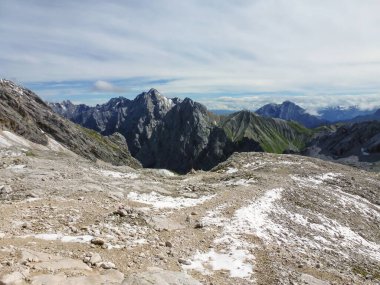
x,y
225,54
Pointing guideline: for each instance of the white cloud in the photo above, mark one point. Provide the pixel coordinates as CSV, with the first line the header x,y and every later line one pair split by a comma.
x,y
302,46
104,86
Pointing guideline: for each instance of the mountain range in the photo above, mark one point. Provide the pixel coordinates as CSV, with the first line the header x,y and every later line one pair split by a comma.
x,y
157,132
182,134
340,114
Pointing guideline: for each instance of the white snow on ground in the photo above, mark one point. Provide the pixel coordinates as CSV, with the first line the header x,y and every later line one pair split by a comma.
x,y
350,201
240,182
56,146
254,165
10,153
16,167
159,201
231,170
315,180
215,217
233,261
235,256
335,235
286,162
165,172
253,219
8,139
116,174
62,237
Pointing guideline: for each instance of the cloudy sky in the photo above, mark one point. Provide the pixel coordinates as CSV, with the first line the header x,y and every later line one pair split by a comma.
x,y
226,54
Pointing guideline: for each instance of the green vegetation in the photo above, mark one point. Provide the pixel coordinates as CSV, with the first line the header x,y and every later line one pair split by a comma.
x,y
99,138
30,153
365,272
273,135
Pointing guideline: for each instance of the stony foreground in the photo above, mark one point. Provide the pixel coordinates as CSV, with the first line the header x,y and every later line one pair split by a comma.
x,y
255,219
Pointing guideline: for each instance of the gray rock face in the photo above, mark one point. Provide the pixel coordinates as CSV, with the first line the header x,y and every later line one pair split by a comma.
x,y
24,113
290,111
135,119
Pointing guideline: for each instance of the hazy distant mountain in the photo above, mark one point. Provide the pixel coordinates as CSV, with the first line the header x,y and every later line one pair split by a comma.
x,y
182,134
291,112
222,112
365,118
338,113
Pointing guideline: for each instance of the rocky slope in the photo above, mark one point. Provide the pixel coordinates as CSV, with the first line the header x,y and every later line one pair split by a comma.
x,y
24,113
291,112
356,144
182,134
257,218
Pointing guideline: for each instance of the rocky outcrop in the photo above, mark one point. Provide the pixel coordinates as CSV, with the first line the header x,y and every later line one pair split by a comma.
x,y
25,114
291,112
361,140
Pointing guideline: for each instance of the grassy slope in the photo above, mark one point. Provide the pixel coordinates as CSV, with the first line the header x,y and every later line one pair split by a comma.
x,y
273,135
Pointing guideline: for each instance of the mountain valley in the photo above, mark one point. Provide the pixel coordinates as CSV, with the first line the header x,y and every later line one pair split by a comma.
x,y
77,208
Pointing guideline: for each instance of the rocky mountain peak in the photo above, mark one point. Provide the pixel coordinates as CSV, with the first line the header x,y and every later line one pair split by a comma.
x,y
292,112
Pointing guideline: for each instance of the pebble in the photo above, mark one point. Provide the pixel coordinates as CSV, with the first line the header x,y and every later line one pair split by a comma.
x,y
97,241
107,265
184,261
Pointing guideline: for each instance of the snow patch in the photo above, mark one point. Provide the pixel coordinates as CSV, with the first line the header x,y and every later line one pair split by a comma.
x,y
241,182
16,167
165,172
315,180
234,261
160,201
231,170
235,255
115,174
61,237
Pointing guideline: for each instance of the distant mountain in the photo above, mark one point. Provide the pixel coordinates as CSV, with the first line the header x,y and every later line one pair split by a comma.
x,y
371,117
339,114
222,112
182,134
24,113
291,112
